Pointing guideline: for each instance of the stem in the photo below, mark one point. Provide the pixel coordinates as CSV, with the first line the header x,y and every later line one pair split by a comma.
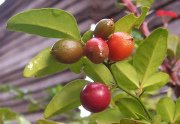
x,y
132,95
132,8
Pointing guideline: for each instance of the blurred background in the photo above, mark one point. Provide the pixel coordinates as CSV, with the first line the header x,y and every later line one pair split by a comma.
x,y
29,96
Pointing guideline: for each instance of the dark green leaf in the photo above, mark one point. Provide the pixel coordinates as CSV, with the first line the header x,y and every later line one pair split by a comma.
x,y
125,75
87,35
150,54
128,22
47,22
131,108
156,81
166,108
97,72
66,99
108,116
43,64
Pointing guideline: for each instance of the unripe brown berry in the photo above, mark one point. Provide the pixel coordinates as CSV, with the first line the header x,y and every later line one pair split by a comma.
x,y
67,51
104,28
96,50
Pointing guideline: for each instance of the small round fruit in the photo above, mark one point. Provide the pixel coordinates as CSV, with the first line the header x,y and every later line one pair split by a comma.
x,y
96,50
121,46
95,97
104,28
67,51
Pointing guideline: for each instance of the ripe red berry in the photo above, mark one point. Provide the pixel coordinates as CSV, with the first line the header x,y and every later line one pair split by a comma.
x,y
121,46
96,50
95,97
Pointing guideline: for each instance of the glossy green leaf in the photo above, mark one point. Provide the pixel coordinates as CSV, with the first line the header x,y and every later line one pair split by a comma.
x,y
44,121
131,121
97,72
107,116
77,67
128,22
47,22
66,99
147,3
150,54
125,75
7,114
87,35
166,108
156,81
177,110
22,120
43,64
131,108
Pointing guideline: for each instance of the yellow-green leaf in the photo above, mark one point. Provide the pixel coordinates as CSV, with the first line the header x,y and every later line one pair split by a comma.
x,y
47,22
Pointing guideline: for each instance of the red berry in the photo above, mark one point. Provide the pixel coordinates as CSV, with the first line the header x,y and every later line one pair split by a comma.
x,y
95,97
121,46
96,50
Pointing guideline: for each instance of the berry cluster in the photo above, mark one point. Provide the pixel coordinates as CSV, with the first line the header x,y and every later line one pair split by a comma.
x,y
105,45
108,45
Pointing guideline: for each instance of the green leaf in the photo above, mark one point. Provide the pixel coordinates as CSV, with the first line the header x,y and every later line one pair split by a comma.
x,y
177,110
156,81
7,114
22,120
166,108
128,22
130,108
44,121
174,46
156,119
97,72
43,64
107,116
87,35
66,99
147,3
47,22
125,75
140,19
137,35
77,67
150,54
131,121
178,50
